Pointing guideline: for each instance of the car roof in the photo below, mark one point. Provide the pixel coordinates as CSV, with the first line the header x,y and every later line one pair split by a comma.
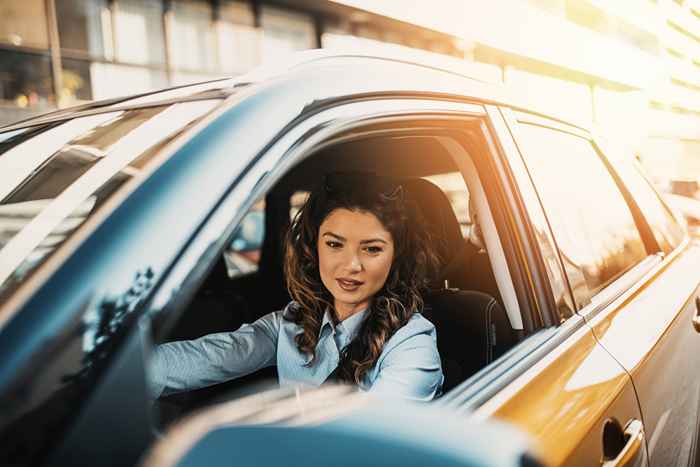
x,y
472,81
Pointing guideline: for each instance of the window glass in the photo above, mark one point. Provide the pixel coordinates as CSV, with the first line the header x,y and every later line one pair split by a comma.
x,y
667,231
24,23
243,253
296,202
138,31
284,32
85,25
238,38
25,80
54,181
179,78
76,81
592,224
110,80
193,41
452,184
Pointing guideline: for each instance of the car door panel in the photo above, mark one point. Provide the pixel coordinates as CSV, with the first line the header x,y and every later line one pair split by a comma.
x,y
566,398
651,333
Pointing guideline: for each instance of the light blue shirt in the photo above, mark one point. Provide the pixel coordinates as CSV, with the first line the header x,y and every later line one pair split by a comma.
x,y
408,367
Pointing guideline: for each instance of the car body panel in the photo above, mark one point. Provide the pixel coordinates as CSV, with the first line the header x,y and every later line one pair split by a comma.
x,y
650,332
565,399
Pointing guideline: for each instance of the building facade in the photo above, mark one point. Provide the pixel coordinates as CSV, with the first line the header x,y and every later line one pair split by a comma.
x,y
629,66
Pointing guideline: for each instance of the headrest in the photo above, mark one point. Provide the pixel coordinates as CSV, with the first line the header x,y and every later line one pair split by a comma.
x,y
441,221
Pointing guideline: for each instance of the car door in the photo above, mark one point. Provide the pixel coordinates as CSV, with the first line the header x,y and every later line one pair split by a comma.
x,y
653,329
560,384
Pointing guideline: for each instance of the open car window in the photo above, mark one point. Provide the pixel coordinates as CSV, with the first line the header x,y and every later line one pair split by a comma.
x,y
464,300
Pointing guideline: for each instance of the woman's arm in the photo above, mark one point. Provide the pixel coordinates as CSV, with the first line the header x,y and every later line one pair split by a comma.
x,y
411,370
214,358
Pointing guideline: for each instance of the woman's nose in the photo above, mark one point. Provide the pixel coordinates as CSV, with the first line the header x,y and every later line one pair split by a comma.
x,y
354,263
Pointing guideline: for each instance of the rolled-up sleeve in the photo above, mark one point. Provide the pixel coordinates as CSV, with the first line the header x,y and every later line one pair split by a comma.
x,y
214,358
410,370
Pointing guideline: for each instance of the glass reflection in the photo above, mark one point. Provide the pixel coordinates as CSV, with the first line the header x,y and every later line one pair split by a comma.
x,y
666,230
592,224
61,191
38,411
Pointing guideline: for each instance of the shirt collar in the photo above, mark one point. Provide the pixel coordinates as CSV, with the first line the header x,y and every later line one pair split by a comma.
x,y
350,325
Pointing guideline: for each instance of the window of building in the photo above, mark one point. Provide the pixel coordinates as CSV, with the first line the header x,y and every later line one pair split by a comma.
x,y
24,23
85,26
192,37
591,221
138,31
284,32
179,78
239,41
25,80
76,82
111,80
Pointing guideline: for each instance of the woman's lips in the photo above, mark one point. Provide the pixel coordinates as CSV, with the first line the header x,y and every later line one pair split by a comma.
x,y
349,285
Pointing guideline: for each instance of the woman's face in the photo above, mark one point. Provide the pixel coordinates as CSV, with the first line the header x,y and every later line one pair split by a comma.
x,y
355,253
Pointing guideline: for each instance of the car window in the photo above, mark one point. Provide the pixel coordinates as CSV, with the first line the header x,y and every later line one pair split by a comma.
x,y
243,253
666,229
296,201
452,184
51,182
591,222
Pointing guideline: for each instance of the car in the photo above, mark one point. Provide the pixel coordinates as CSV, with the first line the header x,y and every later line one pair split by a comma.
x,y
309,427
567,303
689,209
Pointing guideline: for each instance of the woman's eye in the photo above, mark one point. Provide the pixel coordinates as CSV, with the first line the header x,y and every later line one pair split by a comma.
x,y
374,249
333,244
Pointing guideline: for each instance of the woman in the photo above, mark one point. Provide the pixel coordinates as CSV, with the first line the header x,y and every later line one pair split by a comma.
x,y
356,262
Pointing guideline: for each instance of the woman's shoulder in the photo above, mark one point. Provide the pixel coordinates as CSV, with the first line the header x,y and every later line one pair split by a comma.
x,y
418,330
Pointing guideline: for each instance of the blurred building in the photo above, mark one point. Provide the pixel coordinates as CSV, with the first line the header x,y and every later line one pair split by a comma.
x,y
631,67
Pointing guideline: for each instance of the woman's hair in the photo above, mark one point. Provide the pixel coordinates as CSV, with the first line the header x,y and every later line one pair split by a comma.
x,y
414,263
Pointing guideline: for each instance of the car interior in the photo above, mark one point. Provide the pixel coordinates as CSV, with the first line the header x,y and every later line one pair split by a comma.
x,y
466,300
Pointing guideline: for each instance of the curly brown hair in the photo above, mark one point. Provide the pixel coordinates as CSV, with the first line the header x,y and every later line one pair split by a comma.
x,y
415,262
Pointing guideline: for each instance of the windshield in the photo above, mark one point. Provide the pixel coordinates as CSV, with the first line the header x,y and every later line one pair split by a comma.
x,y
54,177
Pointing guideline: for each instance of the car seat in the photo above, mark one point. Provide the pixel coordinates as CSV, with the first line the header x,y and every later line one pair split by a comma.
x,y
472,326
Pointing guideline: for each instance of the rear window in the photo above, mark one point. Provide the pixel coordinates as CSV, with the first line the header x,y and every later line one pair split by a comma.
x,y
666,229
55,177
593,226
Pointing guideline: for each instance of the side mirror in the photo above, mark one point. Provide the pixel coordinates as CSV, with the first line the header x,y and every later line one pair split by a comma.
x,y
337,426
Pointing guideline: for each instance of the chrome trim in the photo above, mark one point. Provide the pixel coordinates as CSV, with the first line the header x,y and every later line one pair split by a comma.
x,y
634,447
624,285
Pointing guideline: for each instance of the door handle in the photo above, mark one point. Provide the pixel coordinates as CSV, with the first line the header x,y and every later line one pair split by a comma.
x,y
633,448
696,316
